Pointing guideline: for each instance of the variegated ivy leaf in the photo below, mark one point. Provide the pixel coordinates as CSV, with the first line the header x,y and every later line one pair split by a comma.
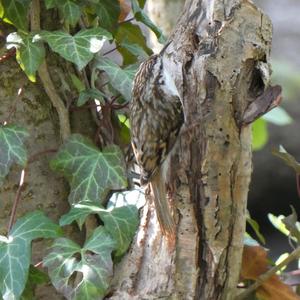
x,y
15,251
120,79
30,55
120,222
15,12
94,264
79,48
12,148
91,173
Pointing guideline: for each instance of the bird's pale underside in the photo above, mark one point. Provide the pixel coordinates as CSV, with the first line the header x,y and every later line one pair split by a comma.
x,y
156,118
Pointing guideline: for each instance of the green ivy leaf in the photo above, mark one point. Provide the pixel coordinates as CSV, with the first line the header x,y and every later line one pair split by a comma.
x,y
86,95
71,12
254,225
79,48
108,12
120,222
91,173
94,264
15,251
120,79
53,3
140,16
260,134
12,148
130,34
135,49
16,11
30,56
35,277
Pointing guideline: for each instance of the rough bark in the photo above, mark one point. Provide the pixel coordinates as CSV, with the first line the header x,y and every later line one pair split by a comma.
x,y
218,57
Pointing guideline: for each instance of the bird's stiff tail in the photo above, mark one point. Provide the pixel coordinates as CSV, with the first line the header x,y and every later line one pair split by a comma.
x,y
163,210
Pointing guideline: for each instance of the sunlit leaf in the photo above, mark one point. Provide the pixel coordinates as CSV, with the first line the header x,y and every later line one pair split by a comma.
x,y
292,225
278,116
12,148
79,48
259,134
91,173
15,251
278,224
279,260
120,222
93,262
30,55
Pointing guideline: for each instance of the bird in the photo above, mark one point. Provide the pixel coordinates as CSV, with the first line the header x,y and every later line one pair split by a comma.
x,y
156,116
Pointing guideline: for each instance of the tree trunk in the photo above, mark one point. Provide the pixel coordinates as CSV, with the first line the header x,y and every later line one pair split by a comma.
x,y
218,58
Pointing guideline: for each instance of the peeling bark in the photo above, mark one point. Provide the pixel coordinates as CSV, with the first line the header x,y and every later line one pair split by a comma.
x,y
218,57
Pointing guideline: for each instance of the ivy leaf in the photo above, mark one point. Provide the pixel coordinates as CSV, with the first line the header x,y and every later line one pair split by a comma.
x,y
52,3
15,251
35,277
135,49
12,148
79,48
260,134
30,55
108,12
91,173
140,16
94,264
120,222
71,12
16,11
88,94
130,34
120,79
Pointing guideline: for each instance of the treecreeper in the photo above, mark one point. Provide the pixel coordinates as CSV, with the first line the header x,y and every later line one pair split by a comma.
x,y
156,116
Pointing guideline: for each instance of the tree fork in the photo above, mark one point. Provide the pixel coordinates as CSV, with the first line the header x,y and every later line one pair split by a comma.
x,y
218,56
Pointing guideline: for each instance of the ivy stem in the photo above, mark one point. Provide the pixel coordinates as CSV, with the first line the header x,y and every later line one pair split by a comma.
x,y
16,201
57,102
34,157
262,278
